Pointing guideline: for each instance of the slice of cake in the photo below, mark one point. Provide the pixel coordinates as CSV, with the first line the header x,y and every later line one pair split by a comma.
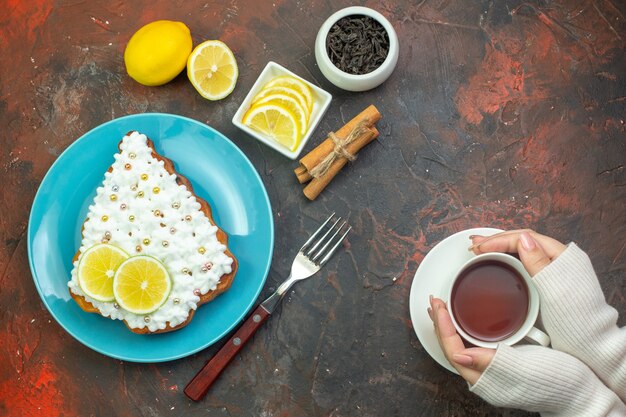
x,y
144,207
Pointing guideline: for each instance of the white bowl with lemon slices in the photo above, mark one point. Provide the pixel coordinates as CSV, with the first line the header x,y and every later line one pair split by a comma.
x,y
282,110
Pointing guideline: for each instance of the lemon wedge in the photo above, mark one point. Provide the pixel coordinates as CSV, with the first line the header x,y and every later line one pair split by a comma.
x,y
141,284
212,69
294,84
275,121
291,104
96,269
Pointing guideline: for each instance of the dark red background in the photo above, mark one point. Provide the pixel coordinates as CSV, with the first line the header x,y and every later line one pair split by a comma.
x,y
500,113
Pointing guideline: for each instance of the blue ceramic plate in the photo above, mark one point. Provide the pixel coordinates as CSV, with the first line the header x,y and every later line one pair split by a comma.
x,y
219,172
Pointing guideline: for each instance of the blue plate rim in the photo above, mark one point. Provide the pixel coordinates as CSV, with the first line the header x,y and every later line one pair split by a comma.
x,y
29,237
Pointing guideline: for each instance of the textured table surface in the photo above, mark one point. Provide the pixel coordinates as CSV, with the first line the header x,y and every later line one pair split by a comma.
x,y
499,113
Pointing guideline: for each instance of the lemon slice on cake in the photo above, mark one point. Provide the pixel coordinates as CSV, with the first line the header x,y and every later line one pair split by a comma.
x,y
96,269
141,284
275,121
212,69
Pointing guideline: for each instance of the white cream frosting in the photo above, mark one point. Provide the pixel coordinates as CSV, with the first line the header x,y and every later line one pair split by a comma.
x,y
167,224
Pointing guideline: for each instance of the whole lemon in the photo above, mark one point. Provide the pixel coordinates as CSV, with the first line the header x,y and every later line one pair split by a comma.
x,y
158,52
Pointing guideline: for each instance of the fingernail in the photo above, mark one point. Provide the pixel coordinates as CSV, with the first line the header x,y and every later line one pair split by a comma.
x,y
430,298
430,312
463,360
471,237
528,242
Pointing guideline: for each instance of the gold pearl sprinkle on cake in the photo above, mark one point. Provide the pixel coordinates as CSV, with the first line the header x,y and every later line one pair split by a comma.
x,y
131,218
144,177
201,250
146,241
140,194
113,197
115,188
107,235
197,292
105,218
116,305
176,301
132,155
156,190
146,319
185,271
122,206
138,248
127,167
176,205
157,213
165,243
172,230
133,187
188,218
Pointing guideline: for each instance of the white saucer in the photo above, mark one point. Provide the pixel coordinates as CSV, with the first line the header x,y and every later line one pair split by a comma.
x,y
431,277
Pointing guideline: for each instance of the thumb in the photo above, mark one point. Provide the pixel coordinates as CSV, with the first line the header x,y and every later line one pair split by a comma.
x,y
531,254
476,358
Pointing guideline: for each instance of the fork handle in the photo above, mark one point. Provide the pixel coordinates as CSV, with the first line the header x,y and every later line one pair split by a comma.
x,y
200,384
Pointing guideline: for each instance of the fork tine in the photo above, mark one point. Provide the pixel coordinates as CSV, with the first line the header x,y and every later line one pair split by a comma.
x,y
334,248
319,253
309,252
317,232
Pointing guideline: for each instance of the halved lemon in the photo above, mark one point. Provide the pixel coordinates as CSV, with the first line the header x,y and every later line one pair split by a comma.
x,y
275,121
295,84
96,269
290,104
212,69
141,284
266,91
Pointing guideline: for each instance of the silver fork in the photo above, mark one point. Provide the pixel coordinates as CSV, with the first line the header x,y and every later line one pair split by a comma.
x,y
315,252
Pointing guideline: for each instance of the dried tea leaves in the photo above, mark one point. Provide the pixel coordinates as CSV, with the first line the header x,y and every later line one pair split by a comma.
x,y
357,44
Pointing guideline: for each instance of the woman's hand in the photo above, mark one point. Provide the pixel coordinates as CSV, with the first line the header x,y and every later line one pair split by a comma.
x,y
470,363
536,251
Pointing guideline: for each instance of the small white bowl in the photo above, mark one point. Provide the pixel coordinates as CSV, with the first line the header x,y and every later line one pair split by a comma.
x,y
321,100
352,82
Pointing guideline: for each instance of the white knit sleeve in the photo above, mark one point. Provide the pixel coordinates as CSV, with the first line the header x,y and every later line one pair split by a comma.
x,y
578,319
535,378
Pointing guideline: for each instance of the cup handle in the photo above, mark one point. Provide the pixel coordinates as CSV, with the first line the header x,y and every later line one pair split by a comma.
x,y
537,336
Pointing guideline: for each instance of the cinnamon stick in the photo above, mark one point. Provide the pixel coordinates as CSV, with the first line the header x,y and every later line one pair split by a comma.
x,y
313,158
302,174
317,185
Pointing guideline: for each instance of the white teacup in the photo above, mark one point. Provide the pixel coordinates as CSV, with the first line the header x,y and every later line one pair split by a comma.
x,y
526,330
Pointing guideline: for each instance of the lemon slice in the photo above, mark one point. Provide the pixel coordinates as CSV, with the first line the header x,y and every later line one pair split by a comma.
x,y
212,69
295,84
290,104
96,269
275,121
266,91
141,284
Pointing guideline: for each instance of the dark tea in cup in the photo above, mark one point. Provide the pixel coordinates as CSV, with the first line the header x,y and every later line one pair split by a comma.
x,y
489,300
